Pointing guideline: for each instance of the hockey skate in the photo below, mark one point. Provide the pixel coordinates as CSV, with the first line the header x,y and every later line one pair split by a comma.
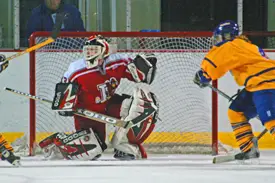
x,y
122,155
252,153
9,156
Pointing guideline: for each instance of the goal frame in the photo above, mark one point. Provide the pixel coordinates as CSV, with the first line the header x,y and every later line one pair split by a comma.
x,y
32,78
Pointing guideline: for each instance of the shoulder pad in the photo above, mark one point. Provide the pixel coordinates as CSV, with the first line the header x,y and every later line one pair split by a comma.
x,y
116,57
74,67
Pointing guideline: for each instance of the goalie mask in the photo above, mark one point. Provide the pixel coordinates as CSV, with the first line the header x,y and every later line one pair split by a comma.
x,y
95,49
226,30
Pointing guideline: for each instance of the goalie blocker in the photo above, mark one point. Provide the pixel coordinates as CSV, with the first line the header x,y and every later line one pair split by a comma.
x,y
65,98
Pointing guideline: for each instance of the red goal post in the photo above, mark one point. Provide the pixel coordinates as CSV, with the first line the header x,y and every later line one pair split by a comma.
x,y
189,114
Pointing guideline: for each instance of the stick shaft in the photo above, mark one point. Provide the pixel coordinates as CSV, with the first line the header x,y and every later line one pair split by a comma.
x,y
27,95
56,30
81,112
28,50
219,91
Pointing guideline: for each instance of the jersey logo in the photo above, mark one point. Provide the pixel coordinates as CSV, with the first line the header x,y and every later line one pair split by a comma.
x,y
106,89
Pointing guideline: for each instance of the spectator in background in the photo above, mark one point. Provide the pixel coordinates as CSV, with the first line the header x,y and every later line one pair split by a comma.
x,y
43,17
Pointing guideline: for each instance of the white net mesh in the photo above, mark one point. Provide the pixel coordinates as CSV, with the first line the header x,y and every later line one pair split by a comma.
x,y
185,109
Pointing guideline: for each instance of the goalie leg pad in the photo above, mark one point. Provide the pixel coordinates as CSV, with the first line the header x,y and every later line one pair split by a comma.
x,y
123,149
138,134
84,123
81,145
129,143
134,107
138,105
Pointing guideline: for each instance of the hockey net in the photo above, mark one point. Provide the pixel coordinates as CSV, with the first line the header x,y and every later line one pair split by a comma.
x,y
188,114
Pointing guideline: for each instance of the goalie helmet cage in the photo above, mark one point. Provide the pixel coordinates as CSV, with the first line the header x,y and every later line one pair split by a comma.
x,y
189,114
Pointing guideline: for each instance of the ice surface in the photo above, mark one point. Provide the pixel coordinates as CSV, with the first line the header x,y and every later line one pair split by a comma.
x,y
157,169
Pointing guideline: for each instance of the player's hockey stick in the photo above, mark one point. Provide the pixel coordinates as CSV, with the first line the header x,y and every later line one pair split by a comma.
x,y
56,29
222,159
94,115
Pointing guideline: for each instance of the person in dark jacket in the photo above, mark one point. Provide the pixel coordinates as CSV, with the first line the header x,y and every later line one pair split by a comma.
x,y
43,17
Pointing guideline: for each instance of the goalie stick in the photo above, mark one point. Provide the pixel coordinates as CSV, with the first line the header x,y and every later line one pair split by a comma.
x,y
232,157
56,29
94,115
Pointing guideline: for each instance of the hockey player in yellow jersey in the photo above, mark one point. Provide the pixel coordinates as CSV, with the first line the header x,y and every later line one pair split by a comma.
x,y
251,69
6,151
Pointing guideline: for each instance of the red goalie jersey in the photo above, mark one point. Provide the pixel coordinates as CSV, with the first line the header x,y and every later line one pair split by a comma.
x,y
98,85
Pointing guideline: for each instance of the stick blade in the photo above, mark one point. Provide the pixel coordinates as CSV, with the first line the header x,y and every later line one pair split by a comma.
x,y
223,159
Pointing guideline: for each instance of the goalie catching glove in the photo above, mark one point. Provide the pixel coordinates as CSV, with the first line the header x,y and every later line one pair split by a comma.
x,y
143,68
65,98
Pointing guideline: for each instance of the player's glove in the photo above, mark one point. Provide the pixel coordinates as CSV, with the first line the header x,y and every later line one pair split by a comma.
x,y
201,80
3,65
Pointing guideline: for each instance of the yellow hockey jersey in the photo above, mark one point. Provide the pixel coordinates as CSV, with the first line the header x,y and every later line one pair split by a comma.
x,y
246,62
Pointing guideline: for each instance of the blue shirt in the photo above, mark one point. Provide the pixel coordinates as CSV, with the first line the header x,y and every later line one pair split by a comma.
x,y
43,19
